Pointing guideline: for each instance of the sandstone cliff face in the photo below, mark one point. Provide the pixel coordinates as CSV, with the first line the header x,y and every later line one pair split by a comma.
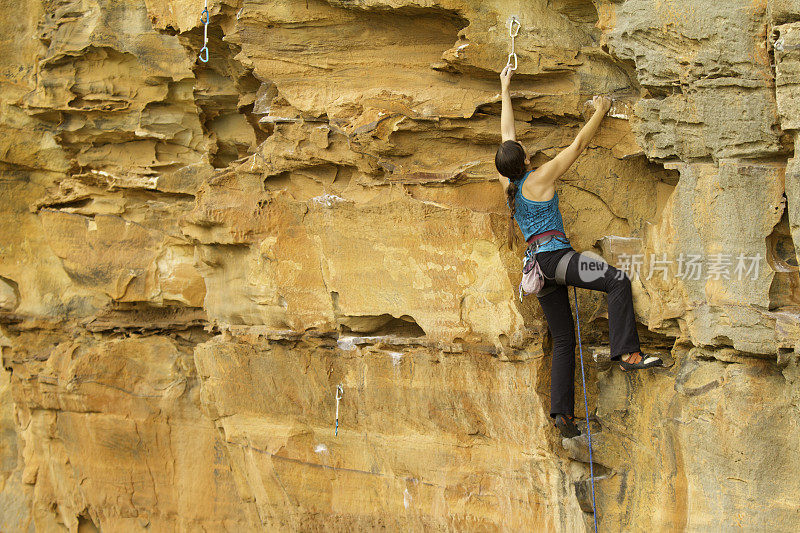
x,y
195,255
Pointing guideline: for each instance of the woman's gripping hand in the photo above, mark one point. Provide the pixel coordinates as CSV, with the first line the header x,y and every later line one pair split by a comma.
x,y
505,77
601,103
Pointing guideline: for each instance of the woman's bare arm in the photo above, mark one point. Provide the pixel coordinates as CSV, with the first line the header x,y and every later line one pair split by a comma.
x,y
507,129
556,167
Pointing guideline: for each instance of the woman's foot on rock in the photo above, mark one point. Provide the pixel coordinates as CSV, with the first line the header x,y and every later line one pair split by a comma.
x,y
566,425
636,361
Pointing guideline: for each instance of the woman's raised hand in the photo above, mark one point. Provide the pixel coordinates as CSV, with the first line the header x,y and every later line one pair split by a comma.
x,y
505,76
602,103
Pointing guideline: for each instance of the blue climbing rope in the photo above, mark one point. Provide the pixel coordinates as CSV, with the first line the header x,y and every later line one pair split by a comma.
x,y
586,406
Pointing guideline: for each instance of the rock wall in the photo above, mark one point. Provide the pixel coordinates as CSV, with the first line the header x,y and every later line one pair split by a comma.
x,y
194,255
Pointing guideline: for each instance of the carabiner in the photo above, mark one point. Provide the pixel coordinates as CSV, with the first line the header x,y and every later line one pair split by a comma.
x,y
204,49
512,54
339,394
204,12
511,31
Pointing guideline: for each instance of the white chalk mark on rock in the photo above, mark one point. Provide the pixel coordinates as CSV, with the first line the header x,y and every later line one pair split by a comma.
x,y
328,199
396,357
346,343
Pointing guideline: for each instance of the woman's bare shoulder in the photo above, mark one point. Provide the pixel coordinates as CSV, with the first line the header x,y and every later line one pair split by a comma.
x,y
538,187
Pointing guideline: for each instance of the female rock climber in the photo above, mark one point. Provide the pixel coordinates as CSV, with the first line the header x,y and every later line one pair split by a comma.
x,y
533,201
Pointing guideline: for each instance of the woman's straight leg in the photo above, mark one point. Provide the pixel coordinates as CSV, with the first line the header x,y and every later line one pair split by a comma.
x,y
558,313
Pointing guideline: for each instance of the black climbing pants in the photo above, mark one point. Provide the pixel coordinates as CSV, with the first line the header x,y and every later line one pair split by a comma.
x,y
588,273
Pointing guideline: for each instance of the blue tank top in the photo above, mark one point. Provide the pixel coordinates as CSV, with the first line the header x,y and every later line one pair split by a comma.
x,y
537,217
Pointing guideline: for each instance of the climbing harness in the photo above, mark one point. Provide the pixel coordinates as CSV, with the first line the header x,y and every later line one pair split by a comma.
x,y
532,275
339,394
586,406
513,33
560,276
204,20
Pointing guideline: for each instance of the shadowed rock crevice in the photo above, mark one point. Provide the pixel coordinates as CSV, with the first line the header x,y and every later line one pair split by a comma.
x,y
583,11
784,292
9,294
380,325
226,94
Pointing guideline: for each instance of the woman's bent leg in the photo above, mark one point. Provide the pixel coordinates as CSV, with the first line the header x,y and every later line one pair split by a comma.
x,y
558,312
586,272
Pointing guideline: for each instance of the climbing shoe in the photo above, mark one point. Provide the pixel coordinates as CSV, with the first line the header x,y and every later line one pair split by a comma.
x,y
646,361
566,425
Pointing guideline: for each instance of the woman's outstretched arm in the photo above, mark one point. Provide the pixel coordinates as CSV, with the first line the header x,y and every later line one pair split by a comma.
x,y
507,129
556,167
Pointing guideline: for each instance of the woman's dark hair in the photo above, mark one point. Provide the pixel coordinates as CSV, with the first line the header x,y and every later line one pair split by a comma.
x,y
510,162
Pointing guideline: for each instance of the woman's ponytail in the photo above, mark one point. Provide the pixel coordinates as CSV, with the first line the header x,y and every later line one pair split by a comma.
x,y
511,200
510,162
